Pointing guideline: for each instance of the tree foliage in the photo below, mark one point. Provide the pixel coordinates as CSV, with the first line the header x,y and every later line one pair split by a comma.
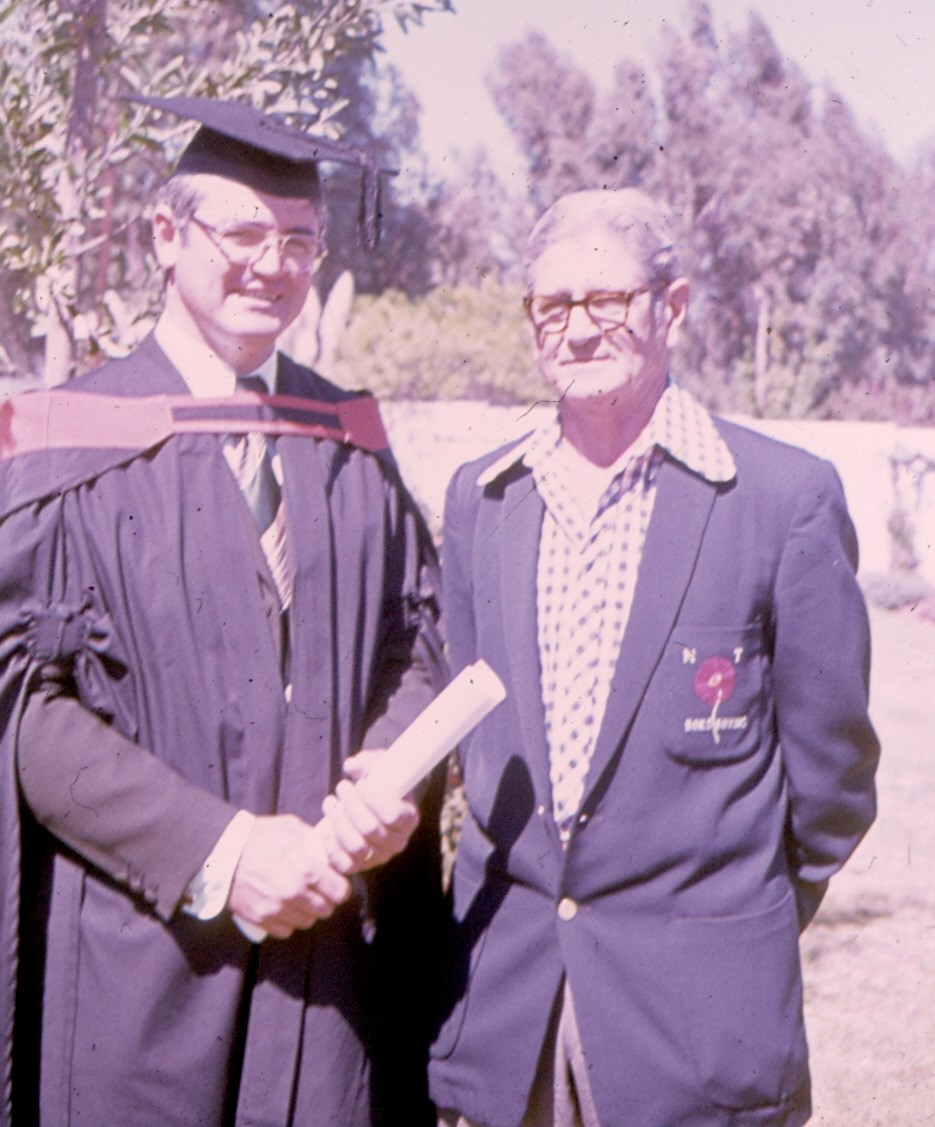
x,y
76,164
809,248
478,227
811,251
468,341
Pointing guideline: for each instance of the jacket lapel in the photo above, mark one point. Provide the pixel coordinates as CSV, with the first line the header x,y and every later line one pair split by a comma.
x,y
680,515
520,522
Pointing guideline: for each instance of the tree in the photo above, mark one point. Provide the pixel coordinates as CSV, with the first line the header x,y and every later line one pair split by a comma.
x,y
571,138
548,104
809,248
621,148
478,226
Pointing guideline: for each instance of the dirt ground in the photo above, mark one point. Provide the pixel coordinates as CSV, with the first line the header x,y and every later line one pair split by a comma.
x,y
869,955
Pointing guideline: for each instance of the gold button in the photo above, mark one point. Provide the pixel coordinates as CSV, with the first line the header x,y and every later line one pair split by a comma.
x,y
567,908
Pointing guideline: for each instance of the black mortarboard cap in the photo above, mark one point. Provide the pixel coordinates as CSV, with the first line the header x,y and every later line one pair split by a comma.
x,y
243,144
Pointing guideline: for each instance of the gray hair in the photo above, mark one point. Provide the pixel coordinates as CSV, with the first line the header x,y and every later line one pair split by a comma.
x,y
626,213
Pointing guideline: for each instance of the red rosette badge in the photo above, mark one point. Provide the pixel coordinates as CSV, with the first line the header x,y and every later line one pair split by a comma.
x,y
714,681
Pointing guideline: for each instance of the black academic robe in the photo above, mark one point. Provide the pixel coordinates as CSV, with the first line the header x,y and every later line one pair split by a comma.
x,y
138,578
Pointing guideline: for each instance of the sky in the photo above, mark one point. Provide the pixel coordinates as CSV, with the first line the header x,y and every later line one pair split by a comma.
x,y
880,54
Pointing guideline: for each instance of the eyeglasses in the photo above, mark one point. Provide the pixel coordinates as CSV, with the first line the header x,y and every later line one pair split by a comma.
x,y
607,309
246,245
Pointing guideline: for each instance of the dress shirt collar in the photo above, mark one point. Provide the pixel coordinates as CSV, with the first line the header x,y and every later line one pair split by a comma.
x,y
207,375
679,425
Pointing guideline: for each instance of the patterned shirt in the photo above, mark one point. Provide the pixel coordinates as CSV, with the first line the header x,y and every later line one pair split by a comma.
x,y
591,544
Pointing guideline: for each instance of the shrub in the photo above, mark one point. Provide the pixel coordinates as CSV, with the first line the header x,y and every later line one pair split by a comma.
x,y
459,342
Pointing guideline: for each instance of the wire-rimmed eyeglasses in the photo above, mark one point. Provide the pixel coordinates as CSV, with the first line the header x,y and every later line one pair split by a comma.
x,y
608,309
245,245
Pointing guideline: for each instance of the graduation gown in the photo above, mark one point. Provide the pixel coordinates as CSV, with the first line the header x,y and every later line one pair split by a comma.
x,y
137,577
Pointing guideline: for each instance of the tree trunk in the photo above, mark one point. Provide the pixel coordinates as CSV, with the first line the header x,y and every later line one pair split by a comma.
x,y
90,31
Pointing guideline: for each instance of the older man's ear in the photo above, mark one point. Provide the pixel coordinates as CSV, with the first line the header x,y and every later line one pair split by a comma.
x,y
676,307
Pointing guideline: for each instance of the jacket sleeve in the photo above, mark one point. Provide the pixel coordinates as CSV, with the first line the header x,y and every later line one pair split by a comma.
x,y
820,671
111,801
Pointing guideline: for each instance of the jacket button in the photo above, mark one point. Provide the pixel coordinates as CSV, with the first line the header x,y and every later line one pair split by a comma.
x,y
567,908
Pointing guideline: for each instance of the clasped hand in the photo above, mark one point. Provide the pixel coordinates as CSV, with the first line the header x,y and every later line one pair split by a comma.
x,y
292,874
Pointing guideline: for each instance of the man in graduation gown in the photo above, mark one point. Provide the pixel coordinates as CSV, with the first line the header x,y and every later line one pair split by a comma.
x,y
212,600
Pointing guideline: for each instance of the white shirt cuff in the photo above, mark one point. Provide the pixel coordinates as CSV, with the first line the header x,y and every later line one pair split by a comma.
x,y
209,888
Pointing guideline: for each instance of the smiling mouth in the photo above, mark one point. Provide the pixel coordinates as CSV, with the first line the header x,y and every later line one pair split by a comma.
x,y
262,298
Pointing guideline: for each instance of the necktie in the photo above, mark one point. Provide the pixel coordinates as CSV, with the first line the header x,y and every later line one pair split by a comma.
x,y
255,463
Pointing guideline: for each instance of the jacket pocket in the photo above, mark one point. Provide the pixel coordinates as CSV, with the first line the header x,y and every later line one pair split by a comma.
x,y
714,684
742,993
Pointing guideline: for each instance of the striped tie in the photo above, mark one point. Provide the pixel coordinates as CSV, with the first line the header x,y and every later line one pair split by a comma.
x,y
258,470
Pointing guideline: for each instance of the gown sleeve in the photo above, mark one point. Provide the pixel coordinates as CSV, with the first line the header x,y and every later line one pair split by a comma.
x,y
111,801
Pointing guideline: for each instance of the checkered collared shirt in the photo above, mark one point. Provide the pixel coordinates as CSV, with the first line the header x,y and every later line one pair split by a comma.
x,y
590,549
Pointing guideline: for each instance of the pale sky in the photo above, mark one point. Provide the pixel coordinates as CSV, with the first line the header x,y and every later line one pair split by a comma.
x,y
880,54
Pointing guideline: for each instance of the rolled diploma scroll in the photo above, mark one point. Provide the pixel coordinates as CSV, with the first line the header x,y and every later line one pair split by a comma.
x,y
458,708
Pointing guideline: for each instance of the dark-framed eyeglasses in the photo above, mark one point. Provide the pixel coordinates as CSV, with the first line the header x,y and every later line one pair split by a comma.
x,y
246,244
608,309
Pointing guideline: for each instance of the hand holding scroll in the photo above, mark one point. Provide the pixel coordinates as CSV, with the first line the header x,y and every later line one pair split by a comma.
x,y
284,878
363,829
373,813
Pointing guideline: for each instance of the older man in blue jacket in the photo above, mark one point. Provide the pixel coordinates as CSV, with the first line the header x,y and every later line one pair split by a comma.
x,y
684,757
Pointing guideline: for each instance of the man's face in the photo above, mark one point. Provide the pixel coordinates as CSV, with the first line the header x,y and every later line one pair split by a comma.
x,y
245,303
596,355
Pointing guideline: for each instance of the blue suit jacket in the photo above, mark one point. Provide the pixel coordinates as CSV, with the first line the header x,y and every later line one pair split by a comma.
x,y
705,839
